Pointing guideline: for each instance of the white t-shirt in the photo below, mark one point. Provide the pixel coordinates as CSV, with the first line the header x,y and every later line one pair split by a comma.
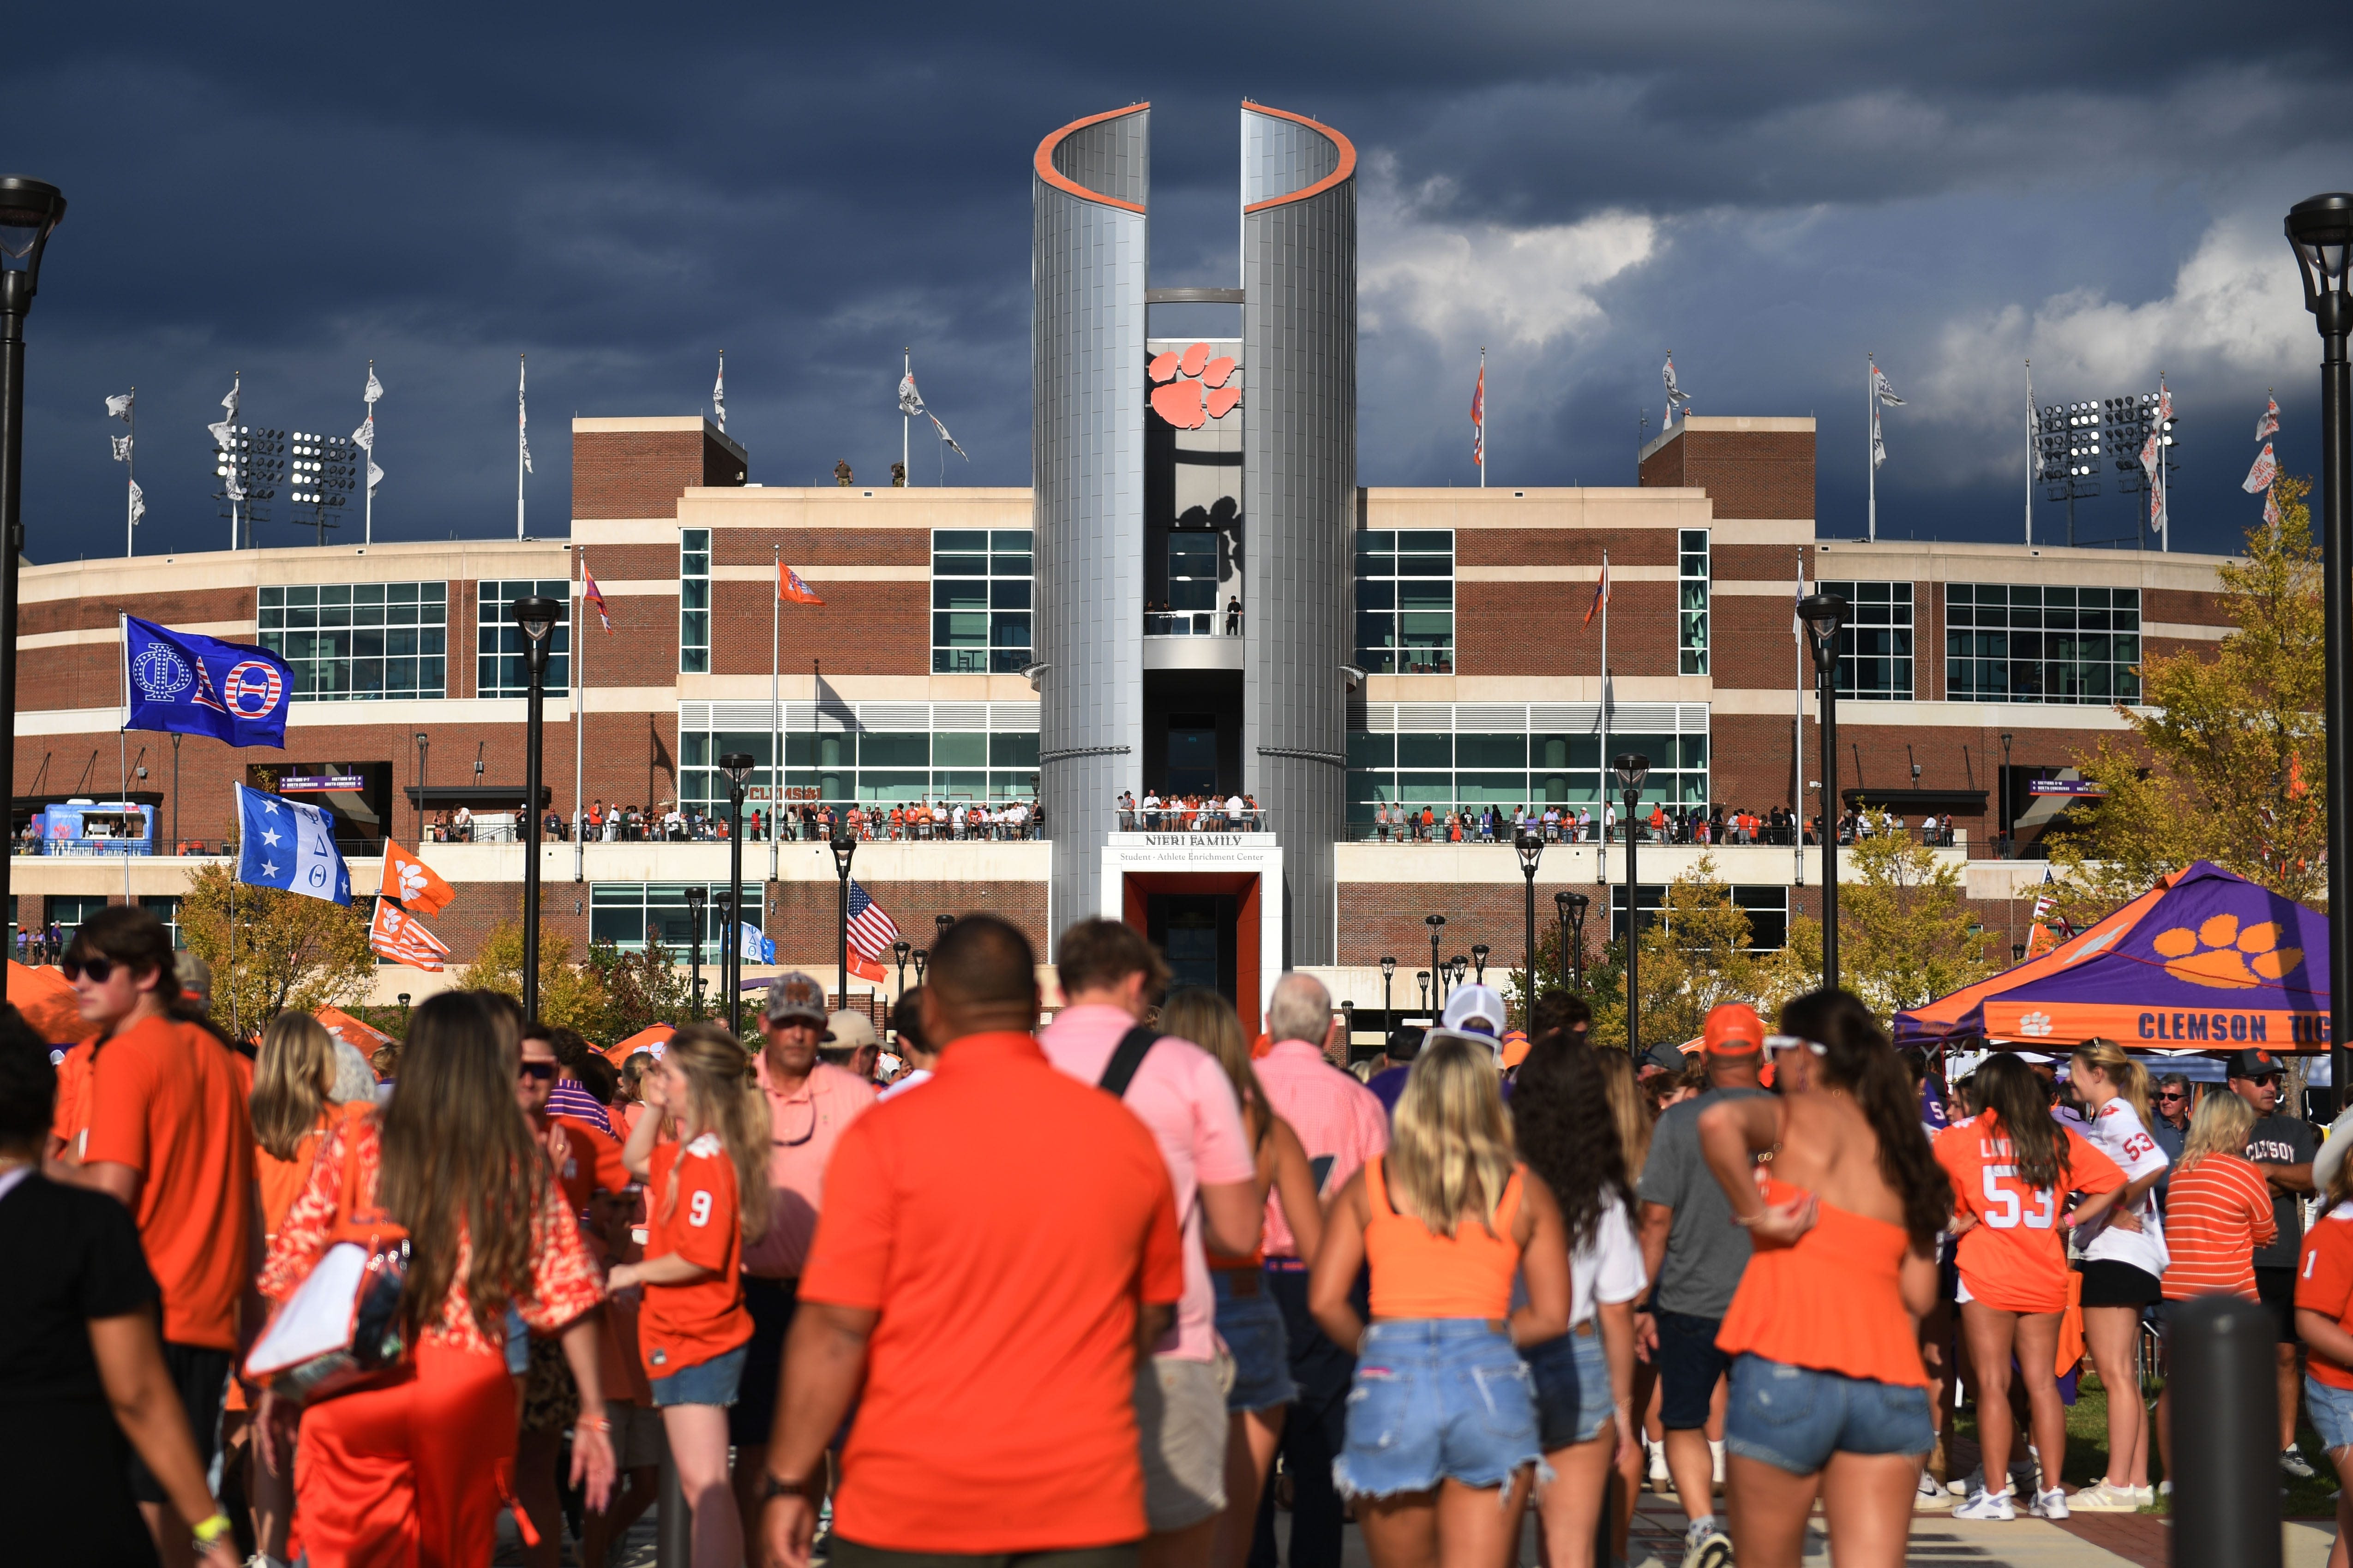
x,y
2116,1132
921,1075
1607,1269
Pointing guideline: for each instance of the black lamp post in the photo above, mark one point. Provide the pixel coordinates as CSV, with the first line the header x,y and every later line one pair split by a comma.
x,y
697,900
2007,848
737,766
899,950
2321,230
537,618
1632,768
30,210
1824,614
424,742
1389,973
1457,967
1572,908
923,957
1423,976
1479,951
940,924
1531,849
844,847
1437,924
403,999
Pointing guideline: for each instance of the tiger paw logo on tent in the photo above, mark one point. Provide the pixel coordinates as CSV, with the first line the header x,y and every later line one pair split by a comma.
x,y
1190,389
2225,955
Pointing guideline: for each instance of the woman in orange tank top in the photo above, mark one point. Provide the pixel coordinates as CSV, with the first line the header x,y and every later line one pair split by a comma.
x,y
1442,1439
1828,1395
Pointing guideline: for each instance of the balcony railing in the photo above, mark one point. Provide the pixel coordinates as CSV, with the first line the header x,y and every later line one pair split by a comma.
x,y
1192,623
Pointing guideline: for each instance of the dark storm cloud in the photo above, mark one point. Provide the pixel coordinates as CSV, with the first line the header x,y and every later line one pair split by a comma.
x,y
1768,190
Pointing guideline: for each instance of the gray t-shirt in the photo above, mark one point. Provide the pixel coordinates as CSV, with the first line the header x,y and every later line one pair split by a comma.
x,y
1706,1252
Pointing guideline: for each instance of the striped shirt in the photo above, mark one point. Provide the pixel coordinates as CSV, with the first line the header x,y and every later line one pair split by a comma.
x,y
2219,1212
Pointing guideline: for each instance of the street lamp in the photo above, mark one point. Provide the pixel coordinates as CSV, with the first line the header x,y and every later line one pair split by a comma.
x,y
697,900
403,999
1531,849
1423,976
1572,908
2321,230
923,957
30,210
1632,768
1437,923
901,949
2009,849
1456,968
1824,614
940,924
844,846
1479,951
537,618
424,742
1389,973
737,766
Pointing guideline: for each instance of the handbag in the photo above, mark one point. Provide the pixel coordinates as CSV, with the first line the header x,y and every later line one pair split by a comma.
x,y
342,1330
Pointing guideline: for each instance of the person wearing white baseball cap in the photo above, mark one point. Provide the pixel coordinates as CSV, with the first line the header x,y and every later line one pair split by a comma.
x,y
1474,1013
851,1043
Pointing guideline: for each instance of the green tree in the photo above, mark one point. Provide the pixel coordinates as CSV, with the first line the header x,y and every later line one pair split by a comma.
x,y
1695,954
2226,758
571,995
1905,932
642,988
283,951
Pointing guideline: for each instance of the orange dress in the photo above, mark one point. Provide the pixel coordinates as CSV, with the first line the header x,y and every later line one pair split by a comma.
x,y
414,1472
1829,1301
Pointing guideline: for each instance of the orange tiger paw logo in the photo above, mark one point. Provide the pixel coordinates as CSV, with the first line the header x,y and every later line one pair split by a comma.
x,y
1190,389
2225,955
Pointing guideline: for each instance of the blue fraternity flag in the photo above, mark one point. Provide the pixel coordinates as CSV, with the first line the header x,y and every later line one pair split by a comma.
x,y
287,845
752,947
202,686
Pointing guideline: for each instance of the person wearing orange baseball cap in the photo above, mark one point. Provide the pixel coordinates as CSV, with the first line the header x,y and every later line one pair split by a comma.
x,y
1697,1255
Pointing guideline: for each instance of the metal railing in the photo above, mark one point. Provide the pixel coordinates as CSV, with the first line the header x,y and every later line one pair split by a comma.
x,y
1192,623
1207,819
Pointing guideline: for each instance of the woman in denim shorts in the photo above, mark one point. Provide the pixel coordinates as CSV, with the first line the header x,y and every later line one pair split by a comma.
x,y
706,1193
1828,1397
2323,1320
1584,1379
1442,1436
1249,1322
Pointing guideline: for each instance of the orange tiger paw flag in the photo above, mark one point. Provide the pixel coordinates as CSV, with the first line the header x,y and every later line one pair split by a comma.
x,y
417,885
792,590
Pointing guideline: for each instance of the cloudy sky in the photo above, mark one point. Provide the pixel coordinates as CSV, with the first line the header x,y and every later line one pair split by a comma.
x,y
1771,191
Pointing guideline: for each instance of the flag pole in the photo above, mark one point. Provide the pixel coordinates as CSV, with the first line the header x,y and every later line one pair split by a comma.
x,y
519,443
2030,454
579,714
1870,443
122,740
130,517
776,701
367,461
906,420
1798,739
1486,457
1601,824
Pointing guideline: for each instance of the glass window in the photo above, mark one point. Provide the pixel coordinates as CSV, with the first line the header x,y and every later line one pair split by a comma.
x,y
1767,909
498,668
624,913
1474,768
981,581
840,767
694,600
360,643
167,910
1874,662
1691,616
1405,600
2013,643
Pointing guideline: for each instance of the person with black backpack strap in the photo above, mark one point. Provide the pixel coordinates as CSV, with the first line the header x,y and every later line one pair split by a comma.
x,y
1110,978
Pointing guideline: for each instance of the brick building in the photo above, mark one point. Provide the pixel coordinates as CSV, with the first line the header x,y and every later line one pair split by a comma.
x,y
1196,597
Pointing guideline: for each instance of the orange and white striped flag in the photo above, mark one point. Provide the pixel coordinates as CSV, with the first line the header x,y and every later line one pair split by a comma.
x,y
395,934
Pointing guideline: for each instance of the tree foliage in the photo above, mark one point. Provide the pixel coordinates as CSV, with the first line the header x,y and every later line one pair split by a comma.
x,y
2226,759
1694,954
641,988
284,951
571,994
1905,932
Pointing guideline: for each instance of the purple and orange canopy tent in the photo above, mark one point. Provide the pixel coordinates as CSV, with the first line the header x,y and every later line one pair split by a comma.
x,y
2205,961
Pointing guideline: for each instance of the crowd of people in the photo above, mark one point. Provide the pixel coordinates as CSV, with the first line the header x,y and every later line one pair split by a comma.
x,y
1664,824
811,821
1192,811
1078,1290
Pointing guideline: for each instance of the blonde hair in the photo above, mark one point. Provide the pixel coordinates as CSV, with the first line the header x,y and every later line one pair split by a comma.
x,y
2129,1077
2220,1127
1451,1146
1197,1013
291,1078
1628,1108
723,1098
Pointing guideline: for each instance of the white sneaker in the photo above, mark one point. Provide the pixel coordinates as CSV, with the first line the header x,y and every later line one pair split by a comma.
x,y
1929,1497
1983,1504
2051,1504
1710,1550
2293,1462
2102,1498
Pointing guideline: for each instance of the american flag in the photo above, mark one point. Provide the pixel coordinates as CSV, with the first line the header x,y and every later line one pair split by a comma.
x,y
395,934
870,931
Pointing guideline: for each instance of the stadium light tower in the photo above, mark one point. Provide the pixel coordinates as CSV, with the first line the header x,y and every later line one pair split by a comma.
x,y
321,471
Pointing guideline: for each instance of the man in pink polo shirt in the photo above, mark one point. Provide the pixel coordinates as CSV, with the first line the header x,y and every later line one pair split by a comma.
x,y
1110,977
810,1104
1342,1125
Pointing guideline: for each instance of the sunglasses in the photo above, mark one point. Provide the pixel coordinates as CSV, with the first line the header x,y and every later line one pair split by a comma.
x,y
2170,1094
98,969
1792,1042
541,1070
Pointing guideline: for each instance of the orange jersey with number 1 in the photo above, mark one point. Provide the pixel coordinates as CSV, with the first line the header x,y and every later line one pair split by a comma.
x,y
2014,1259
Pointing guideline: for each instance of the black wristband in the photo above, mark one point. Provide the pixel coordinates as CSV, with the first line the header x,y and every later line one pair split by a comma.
x,y
773,1486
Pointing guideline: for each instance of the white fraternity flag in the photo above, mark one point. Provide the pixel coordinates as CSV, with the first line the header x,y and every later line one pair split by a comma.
x,y
137,501
719,392
121,448
2271,510
1883,389
224,434
374,388
364,436
1878,444
2148,456
1798,606
2033,425
2259,478
2265,428
523,420
120,405
1675,393
2157,508
910,401
376,478
950,440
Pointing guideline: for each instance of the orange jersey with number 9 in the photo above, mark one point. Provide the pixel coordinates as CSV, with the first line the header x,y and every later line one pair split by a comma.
x,y
2014,1259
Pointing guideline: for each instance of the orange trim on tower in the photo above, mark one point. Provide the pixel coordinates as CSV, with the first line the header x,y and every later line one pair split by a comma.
x,y
1044,162
1346,169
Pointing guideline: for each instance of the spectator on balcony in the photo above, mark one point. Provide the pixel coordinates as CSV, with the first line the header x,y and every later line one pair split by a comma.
x,y
1151,809
1233,615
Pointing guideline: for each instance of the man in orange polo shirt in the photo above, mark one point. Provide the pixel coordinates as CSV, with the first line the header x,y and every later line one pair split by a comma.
x,y
996,1253
170,1136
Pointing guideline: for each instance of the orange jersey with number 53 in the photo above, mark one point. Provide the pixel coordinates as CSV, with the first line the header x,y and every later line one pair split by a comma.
x,y
2014,1259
